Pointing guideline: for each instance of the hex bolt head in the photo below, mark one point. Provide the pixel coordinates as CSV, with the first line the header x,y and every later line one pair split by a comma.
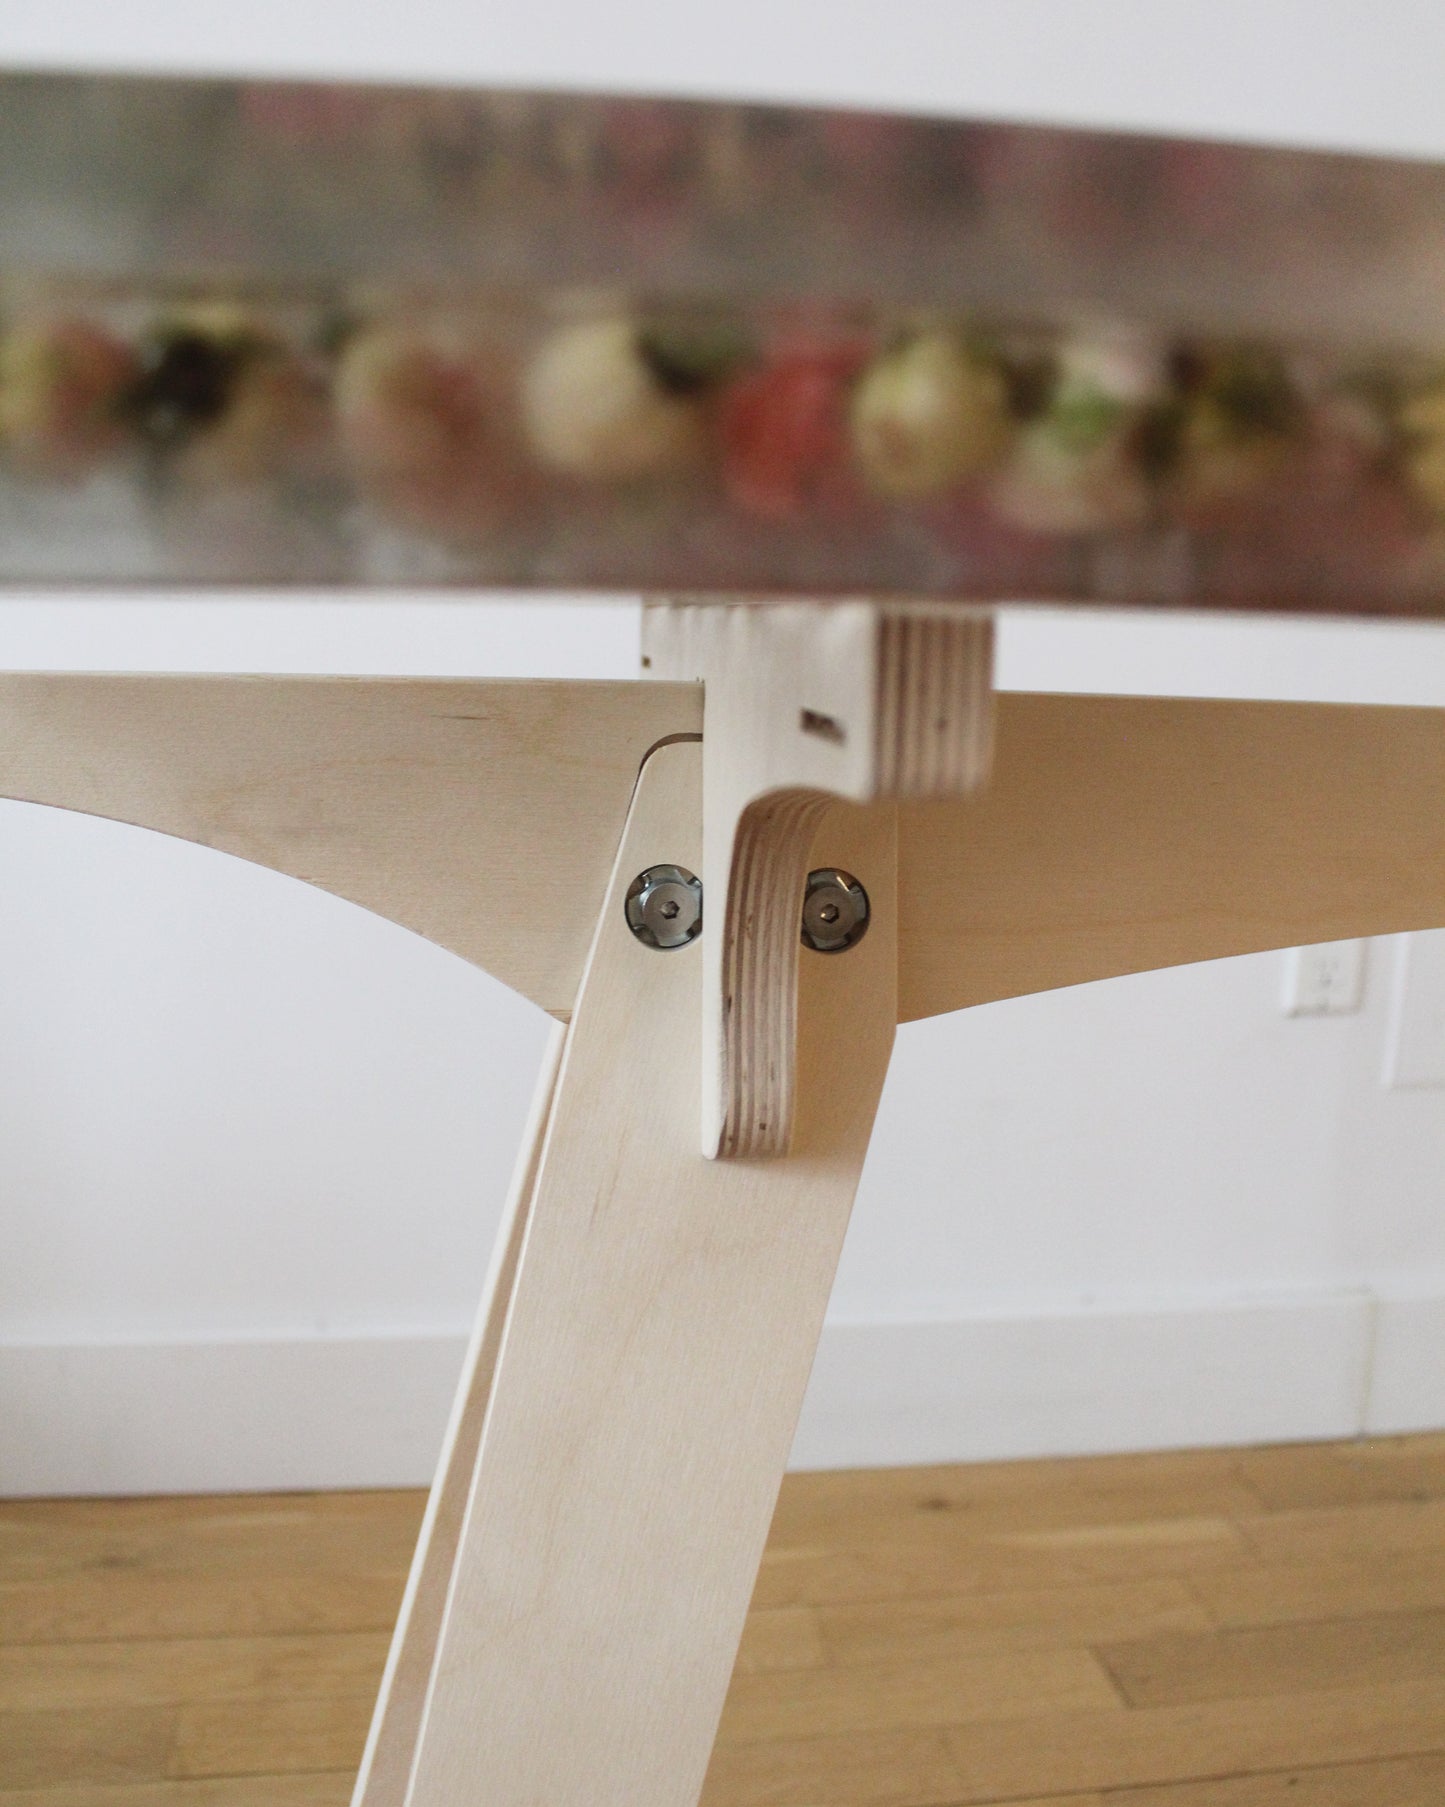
x,y
835,911
664,907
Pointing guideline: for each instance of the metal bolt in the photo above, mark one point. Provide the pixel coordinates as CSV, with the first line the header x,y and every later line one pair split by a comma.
x,y
835,911
664,907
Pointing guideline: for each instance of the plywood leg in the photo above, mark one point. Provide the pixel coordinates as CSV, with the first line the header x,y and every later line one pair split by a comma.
x,y
663,1322
386,1767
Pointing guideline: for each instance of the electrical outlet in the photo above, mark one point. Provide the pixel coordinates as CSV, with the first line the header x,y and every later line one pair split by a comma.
x,y
1325,980
1415,1046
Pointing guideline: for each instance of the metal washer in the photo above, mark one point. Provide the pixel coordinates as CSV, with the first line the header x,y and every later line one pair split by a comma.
x,y
664,907
835,911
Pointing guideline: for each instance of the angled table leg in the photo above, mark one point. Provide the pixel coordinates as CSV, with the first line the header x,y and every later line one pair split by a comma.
x,y
386,1766
662,1326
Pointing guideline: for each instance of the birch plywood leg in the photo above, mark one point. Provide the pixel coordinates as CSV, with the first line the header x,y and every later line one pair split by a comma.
x,y
386,1766
663,1323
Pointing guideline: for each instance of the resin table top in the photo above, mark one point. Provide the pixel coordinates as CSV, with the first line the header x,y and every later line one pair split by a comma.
x,y
261,333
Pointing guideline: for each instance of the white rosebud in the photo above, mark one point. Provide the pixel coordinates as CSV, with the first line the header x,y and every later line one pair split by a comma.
x,y
1052,486
1127,369
1074,468
593,406
927,415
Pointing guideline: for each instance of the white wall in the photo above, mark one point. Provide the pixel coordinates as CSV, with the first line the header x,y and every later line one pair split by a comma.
x,y
253,1142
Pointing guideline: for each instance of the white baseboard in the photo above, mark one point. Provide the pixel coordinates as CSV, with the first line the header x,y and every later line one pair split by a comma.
x,y
255,1414
1086,1383
1407,1383
225,1416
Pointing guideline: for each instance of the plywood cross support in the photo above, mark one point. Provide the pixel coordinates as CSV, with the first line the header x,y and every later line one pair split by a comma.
x,y
804,703
480,813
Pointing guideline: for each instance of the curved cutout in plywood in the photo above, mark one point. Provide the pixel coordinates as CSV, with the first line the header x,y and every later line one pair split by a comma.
x,y
484,815
1121,834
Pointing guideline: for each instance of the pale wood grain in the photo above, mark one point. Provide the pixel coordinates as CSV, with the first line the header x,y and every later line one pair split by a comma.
x,y
662,1328
418,798
1121,834
391,1744
423,800
804,701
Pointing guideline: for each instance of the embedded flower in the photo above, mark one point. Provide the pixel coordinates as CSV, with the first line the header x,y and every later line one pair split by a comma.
x,y
597,405
61,384
928,414
189,364
1075,466
784,429
1422,427
428,431
224,399
1236,418
274,419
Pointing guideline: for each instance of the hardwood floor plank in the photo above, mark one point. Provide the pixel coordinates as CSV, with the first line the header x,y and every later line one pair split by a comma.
x,y
1316,1534
94,1608
879,1769
314,1790
239,1738
787,1637
1227,1629
885,1631
50,1750
1342,1474
843,1506
947,1563
1269,1594
1175,1669
1058,1754
910,1696
49,1677
285,1534
1398,1782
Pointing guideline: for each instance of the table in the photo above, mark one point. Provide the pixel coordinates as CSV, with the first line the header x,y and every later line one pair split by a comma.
x,y
826,386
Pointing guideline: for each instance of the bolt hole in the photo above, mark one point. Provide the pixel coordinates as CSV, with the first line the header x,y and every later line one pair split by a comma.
x,y
823,727
669,910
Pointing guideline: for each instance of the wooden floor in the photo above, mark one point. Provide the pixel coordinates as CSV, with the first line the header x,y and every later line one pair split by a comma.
x,y
1225,1629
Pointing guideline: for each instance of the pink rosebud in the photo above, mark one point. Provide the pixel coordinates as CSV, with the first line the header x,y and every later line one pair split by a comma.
x,y
428,432
785,434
